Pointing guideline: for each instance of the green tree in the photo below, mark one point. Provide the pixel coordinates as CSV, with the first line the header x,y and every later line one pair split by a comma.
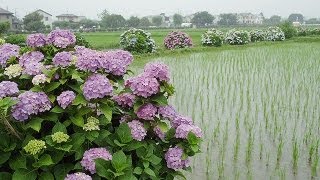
x,y
177,19
157,20
313,21
288,29
133,21
88,23
144,22
4,27
113,21
228,19
273,20
33,22
296,17
202,19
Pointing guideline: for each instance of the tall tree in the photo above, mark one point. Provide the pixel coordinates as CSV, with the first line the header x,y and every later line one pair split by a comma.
x,y
202,19
88,23
313,21
228,19
133,21
33,22
113,21
177,19
157,20
273,20
296,17
144,22
4,27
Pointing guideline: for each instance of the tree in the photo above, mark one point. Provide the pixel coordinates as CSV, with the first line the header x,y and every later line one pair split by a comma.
x,y
157,20
296,18
177,19
313,21
144,22
113,21
87,23
228,19
4,27
202,19
288,29
274,20
133,21
33,22
65,25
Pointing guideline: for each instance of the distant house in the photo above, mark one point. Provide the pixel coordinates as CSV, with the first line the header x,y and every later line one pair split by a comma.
x,y
70,18
6,16
16,23
47,18
250,19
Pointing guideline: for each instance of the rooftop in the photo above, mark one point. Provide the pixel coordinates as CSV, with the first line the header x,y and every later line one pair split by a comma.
x,y
3,11
67,15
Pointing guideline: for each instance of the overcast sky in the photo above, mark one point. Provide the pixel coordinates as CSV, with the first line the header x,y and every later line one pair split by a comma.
x,y
90,8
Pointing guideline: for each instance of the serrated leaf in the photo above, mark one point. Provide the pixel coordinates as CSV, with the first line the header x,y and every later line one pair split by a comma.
x,y
59,127
160,100
23,174
57,109
119,161
107,111
35,124
124,133
52,86
77,120
18,162
149,172
44,160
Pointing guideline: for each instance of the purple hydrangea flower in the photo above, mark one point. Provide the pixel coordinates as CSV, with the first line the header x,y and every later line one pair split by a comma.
x,y
87,59
157,70
30,62
30,103
62,59
157,130
6,52
116,62
61,38
33,68
8,88
147,111
36,40
138,132
78,176
90,155
167,112
125,99
178,120
174,159
143,86
97,86
177,39
183,130
66,98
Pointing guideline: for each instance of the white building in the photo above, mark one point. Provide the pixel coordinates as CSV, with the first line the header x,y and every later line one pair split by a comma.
x,y
47,18
249,18
70,18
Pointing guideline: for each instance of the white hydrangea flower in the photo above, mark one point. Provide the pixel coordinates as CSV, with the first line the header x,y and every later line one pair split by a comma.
x,y
13,71
39,79
2,41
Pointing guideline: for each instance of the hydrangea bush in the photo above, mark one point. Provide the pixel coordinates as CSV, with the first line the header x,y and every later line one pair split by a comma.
x,y
2,41
177,39
137,41
212,37
257,35
275,34
237,37
68,113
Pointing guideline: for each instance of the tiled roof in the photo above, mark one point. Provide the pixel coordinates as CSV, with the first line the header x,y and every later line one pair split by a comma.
x,y
3,11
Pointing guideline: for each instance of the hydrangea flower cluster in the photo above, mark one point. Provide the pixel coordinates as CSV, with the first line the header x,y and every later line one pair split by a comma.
x,y
31,63
143,85
78,176
6,52
59,137
183,130
13,71
275,34
167,112
61,38
39,79
90,155
138,132
125,99
157,70
257,35
37,40
237,37
212,37
177,39
30,103
35,146
160,134
137,41
92,124
8,88
97,86
66,98
2,41
147,112
174,159
62,59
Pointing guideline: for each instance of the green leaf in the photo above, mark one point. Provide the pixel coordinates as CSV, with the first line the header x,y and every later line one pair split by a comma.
x,y
79,100
137,105
92,135
52,86
149,172
193,139
170,134
23,174
44,160
5,175
154,159
107,111
4,157
46,176
133,145
118,143
77,120
18,162
59,127
35,124
146,164
61,170
137,170
57,109
77,140
76,75
124,133
103,168
160,100
119,161
25,76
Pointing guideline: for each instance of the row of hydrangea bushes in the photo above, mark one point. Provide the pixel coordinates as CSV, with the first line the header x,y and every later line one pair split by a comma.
x,y
67,112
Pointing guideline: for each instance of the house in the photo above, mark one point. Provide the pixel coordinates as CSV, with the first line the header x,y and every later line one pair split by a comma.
x,y
16,23
250,19
6,16
47,18
70,18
